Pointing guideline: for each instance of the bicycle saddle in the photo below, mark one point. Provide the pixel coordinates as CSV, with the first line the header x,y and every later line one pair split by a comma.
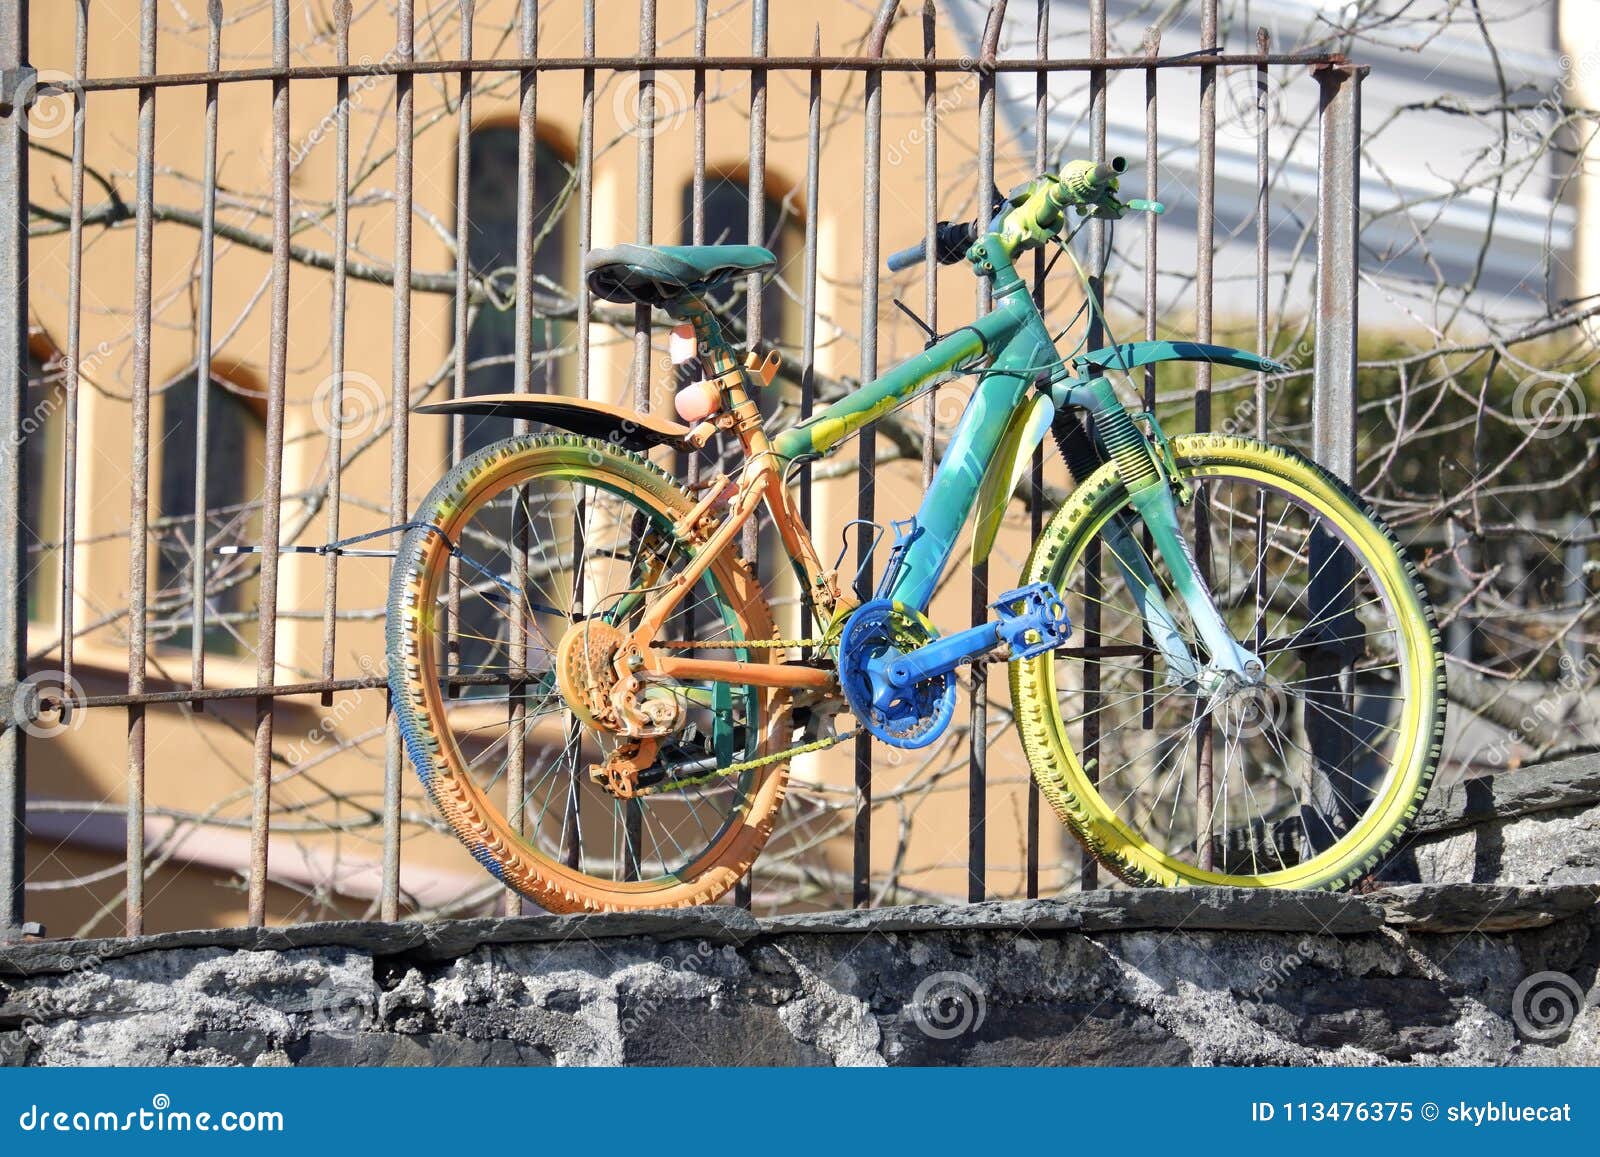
x,y
660,274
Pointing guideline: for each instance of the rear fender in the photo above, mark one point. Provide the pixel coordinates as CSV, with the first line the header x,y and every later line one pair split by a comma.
x,y
616,424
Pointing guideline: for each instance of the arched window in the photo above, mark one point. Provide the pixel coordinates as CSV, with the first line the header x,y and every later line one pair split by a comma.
x,y
492,245
235,458
43,425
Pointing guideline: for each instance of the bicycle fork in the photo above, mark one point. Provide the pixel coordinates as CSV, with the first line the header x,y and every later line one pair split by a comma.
x,y
1150,474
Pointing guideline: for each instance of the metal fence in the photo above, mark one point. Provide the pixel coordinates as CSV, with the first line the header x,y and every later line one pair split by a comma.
x,y
1335,317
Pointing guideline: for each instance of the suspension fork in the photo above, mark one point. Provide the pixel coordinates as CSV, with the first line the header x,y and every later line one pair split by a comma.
x,y
1151,480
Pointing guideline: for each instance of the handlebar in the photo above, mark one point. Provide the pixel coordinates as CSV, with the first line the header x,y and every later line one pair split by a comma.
x,y
951,240
1034,214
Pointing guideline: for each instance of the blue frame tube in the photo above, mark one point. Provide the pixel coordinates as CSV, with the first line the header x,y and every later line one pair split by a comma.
x,y
1023,353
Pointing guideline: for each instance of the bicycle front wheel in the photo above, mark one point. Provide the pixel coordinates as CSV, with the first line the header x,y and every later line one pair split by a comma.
x,y
559,541
1305,778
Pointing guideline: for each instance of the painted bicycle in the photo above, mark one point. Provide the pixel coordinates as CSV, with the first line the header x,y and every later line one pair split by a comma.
x,y
1223,669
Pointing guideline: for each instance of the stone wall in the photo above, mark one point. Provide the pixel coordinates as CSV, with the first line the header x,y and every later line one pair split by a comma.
x,y
1416,973
1501,969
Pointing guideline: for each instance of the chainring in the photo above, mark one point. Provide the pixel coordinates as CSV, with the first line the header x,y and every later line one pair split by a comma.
x,y
879,632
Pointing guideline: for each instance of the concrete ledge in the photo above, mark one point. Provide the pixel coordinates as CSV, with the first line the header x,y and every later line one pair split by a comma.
x,y
1416,974
1417,908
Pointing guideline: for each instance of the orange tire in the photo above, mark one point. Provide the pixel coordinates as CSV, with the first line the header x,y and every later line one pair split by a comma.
x,y
565,875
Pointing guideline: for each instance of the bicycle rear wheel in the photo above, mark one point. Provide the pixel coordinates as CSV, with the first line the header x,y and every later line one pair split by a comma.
x,y
560,539
1305,781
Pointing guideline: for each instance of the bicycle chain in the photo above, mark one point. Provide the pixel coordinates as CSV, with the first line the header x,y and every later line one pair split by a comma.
x,y
748,764
733,644
761,761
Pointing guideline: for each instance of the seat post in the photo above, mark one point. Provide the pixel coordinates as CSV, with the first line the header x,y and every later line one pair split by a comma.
x,y
717,362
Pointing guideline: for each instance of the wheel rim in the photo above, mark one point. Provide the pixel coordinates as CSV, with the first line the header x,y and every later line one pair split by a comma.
x,y
1279,816
585,535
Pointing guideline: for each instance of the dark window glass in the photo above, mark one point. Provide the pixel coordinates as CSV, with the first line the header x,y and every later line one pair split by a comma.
x,y
42,424
492,245
234,466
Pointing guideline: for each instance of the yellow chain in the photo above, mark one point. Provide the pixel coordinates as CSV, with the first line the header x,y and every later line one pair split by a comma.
x,y
747,765
735,644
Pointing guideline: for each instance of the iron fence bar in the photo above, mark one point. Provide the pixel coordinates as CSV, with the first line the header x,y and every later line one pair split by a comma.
x,y
272,477
1259,592
336,338
644,227
866,446
569,820
808,291
1205,242
67,610
1152,226
399,422
521,529
202,373
13,478
978,605
1041,161
139,475
732,63
463,306
756,233
1333,406
1088,867
930,226
1263,247
1338,205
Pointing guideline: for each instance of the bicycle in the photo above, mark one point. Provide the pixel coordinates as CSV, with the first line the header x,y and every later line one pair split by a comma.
x,y
589,682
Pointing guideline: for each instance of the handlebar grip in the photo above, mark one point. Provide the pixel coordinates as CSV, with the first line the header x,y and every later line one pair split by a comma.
x,y
1086,182
1107,171
908,257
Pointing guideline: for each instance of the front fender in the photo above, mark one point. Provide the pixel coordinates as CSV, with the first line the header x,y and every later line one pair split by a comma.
x,y
1130,355
616,424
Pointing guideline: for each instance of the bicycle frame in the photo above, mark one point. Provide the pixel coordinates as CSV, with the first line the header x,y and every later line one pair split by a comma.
x,y
1021,356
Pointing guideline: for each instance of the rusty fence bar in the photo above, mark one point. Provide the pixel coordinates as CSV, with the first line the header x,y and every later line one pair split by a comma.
x,y
13,401
997,79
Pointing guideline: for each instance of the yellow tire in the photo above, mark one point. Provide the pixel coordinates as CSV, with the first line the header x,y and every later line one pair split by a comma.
x,y
1083,735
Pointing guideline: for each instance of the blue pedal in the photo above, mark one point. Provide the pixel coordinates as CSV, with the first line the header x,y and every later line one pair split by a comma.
x,y
1033,620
